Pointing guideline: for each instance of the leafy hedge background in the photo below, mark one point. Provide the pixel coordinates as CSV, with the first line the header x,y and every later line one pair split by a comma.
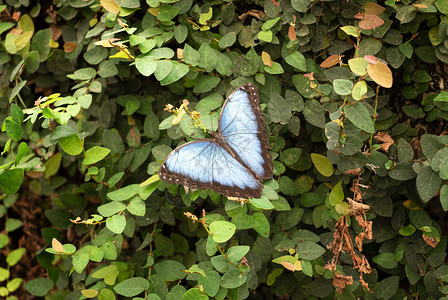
x,y
354,99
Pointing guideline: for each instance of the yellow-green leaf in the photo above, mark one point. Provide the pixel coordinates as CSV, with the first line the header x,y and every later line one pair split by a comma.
x,y
322,164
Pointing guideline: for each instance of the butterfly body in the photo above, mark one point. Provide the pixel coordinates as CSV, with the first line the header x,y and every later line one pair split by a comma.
x,y
235,160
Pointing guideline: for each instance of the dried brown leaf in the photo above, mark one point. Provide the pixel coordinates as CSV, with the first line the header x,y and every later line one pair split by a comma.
x,y
331,61
292,33
432,241
370,22
385,140
69,47
340,282
353,171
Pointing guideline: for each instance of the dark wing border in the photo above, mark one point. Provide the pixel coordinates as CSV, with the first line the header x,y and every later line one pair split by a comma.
x,y
230,191
254,98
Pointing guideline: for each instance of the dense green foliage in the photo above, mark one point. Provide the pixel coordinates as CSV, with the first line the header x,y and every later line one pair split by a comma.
x,y
355,107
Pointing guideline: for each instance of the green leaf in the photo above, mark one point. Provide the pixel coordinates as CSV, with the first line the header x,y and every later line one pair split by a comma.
x,y
322,164
290,156
206,83
71,145
262,203
430,145
191,56
300,5
137,207
233,279
236,253
428,183
95,154
314,113
164,67
132,287
279,109
13,129
343,87
41,43
265,36
14,256
260,224
222,231
275,69
113,141
350,30
12,224
360,117
80,261
407,230
207,57
358,65
194,294
359,90
116,223
13,285
178,71
39,287
405,151
124,193
85,101
336,194
146,65
406,49
297,60
167,12
21,152
11,180
108,273
444,197
15,91
309,250
386,260
111,208
210,282
387,288
227,40
170,270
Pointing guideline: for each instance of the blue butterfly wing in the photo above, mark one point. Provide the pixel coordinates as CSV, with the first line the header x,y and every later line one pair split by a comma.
x,y
203,164
242,125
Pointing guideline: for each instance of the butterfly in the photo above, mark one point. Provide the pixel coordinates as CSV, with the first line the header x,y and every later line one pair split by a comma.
x,y
235,160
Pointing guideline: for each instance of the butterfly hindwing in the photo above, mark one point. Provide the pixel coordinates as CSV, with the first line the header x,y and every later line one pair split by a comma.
x,y
241,124
203,164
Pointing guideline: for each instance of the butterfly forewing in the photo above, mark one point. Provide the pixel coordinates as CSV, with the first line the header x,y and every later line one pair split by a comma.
x,y
241,124
203,164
